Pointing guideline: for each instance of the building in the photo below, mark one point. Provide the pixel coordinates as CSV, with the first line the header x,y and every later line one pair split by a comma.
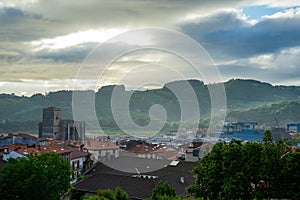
x,y
50,126
138,185
19,150
72,130
187,151
79,160
53,126
21,138
102,149
142,149
80,163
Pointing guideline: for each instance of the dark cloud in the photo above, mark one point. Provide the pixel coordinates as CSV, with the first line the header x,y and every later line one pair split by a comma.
x,y
19,26
225,34
71,54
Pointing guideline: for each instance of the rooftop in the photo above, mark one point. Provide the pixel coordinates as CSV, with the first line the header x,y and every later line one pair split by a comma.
x,y
138,186
78,154
37,149
100,144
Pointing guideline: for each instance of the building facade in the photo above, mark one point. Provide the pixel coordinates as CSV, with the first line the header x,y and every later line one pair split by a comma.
x,y
53,126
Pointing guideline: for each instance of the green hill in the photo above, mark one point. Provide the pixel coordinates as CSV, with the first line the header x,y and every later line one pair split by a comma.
x,y
277,114
246,100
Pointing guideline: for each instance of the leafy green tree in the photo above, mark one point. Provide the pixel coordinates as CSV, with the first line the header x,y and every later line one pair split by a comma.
x,y
75,194
248,171
95,197
106,194
116,194
267,137
291,176
209,174
163,191
252,163
271,166
36,177
120,194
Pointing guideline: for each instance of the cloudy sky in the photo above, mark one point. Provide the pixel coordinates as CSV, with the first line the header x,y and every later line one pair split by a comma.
x,y
44,44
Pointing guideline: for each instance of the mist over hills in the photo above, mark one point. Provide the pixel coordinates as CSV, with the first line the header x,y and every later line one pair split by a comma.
x,y
247,100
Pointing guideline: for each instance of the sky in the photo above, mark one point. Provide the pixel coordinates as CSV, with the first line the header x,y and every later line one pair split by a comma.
x,y
45,44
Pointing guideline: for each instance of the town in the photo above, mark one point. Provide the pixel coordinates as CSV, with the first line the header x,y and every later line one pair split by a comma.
x,y
126,161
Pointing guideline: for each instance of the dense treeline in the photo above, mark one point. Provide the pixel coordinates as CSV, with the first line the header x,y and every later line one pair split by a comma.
x,y
249,171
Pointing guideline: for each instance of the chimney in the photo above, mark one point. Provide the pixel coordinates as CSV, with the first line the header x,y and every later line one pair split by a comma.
x,y
6,151
81,147
181,180
6,155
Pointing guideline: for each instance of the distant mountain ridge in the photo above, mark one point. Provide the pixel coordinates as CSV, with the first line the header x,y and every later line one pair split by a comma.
x,y
244,99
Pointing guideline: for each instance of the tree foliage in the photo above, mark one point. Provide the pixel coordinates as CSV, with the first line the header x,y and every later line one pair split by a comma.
x,y
163,191
36,177
117,194
248,171
267,137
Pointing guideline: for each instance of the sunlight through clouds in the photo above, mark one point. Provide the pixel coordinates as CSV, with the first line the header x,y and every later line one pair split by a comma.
x,y
73,39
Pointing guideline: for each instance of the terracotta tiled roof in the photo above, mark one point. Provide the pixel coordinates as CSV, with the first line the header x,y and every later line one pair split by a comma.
x,y
73,143
23,135
37,149
143,148
54,141
100,144
78,154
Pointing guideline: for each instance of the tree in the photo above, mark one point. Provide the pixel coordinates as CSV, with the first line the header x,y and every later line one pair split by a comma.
x,y
163,191
248,171
35,177
117,194
267,137
209,174
291,176
75,194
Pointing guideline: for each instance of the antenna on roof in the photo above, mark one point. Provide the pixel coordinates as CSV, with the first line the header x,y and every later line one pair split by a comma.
x,y
137,171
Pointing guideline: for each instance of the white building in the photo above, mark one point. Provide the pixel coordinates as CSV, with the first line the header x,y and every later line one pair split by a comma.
x,y
102,149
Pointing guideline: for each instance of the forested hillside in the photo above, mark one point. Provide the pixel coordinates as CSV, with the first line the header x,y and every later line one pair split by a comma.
x,y
247,100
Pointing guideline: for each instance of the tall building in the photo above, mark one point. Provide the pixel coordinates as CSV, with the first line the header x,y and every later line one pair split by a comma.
x,y
54,127
51,122
73,130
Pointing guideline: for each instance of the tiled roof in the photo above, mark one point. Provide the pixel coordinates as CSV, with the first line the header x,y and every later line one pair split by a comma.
x,y
143,148
54,141
78,154
100,144
104,177
136,188
73,143
23,135
132,164
173,174
37,149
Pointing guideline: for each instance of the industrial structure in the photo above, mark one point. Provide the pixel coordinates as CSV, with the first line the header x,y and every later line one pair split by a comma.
x,y
241,127
290,127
